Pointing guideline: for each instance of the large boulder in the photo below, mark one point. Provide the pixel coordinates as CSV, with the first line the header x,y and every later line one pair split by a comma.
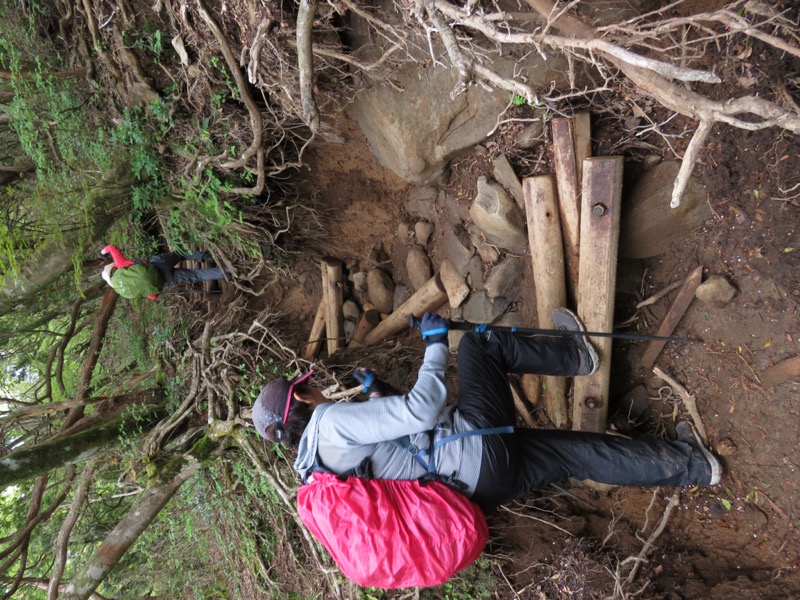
x,y
414,127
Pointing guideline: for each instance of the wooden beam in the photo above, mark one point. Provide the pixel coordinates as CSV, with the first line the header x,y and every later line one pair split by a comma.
x,y
547,256
600,218
369,321
429,297
566,169
582,140
675,314
518,396
317,335
572,144
334,303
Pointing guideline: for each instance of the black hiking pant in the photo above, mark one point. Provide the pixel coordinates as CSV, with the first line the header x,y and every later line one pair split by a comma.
x,y
515,464
166,264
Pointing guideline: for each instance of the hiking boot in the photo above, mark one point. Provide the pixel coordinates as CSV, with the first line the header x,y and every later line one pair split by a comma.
x,y
687,433
566,320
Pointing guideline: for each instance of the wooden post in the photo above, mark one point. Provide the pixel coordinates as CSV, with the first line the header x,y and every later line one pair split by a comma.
x,y
317,334
547,255
518,395
369,320
429,297
572,144
600,217
675,314
334,311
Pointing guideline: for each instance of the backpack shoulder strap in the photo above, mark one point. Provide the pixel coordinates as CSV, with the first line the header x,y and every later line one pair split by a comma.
x,y
420,454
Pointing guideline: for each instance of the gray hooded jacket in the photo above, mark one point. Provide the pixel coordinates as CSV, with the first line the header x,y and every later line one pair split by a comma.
x,y
340,436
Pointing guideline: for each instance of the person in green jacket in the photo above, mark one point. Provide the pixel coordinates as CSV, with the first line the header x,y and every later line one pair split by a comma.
x,y
148,278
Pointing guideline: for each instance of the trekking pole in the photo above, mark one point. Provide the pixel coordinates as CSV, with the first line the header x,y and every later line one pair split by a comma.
x,y
189,292
415,323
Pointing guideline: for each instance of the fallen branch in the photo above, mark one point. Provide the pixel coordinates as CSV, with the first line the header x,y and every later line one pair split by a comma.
x,y
305,63
688,401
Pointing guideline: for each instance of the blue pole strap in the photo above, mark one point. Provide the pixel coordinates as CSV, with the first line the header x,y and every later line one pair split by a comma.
x,y
432,332
367,382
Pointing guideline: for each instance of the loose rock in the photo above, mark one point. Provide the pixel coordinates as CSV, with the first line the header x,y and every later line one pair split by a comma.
x,y
360,289
418,267
404,232
498,217
480,308
458,249
454,284
381,290
488,253
401,294
531,136
350,310
716,291
423,230
476,274
504,279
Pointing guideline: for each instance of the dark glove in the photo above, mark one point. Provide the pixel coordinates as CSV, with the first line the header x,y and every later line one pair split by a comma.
x,y
434,329
365,377
373,385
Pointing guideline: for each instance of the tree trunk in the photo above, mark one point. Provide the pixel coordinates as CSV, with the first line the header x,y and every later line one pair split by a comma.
x,y
54,257
128,530
29,462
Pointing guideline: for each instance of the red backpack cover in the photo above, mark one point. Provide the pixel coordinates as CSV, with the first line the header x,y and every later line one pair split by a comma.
x,y
393,534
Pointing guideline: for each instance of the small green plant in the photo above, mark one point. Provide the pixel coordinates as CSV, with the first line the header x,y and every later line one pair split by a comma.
x,y
517,100
218,64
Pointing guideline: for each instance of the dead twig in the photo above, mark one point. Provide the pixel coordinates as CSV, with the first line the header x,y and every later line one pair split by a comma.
x,y
688,400
647,548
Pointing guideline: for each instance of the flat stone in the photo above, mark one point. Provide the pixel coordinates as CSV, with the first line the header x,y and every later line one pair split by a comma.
x,y
504,279
715,291
512,319
457,248
381,290
498,217
531,136
350,310
454,284
404,232
488,253
423,231
475,278
360,288
401,294
422,202
481,309
418,267
504,174
454,337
